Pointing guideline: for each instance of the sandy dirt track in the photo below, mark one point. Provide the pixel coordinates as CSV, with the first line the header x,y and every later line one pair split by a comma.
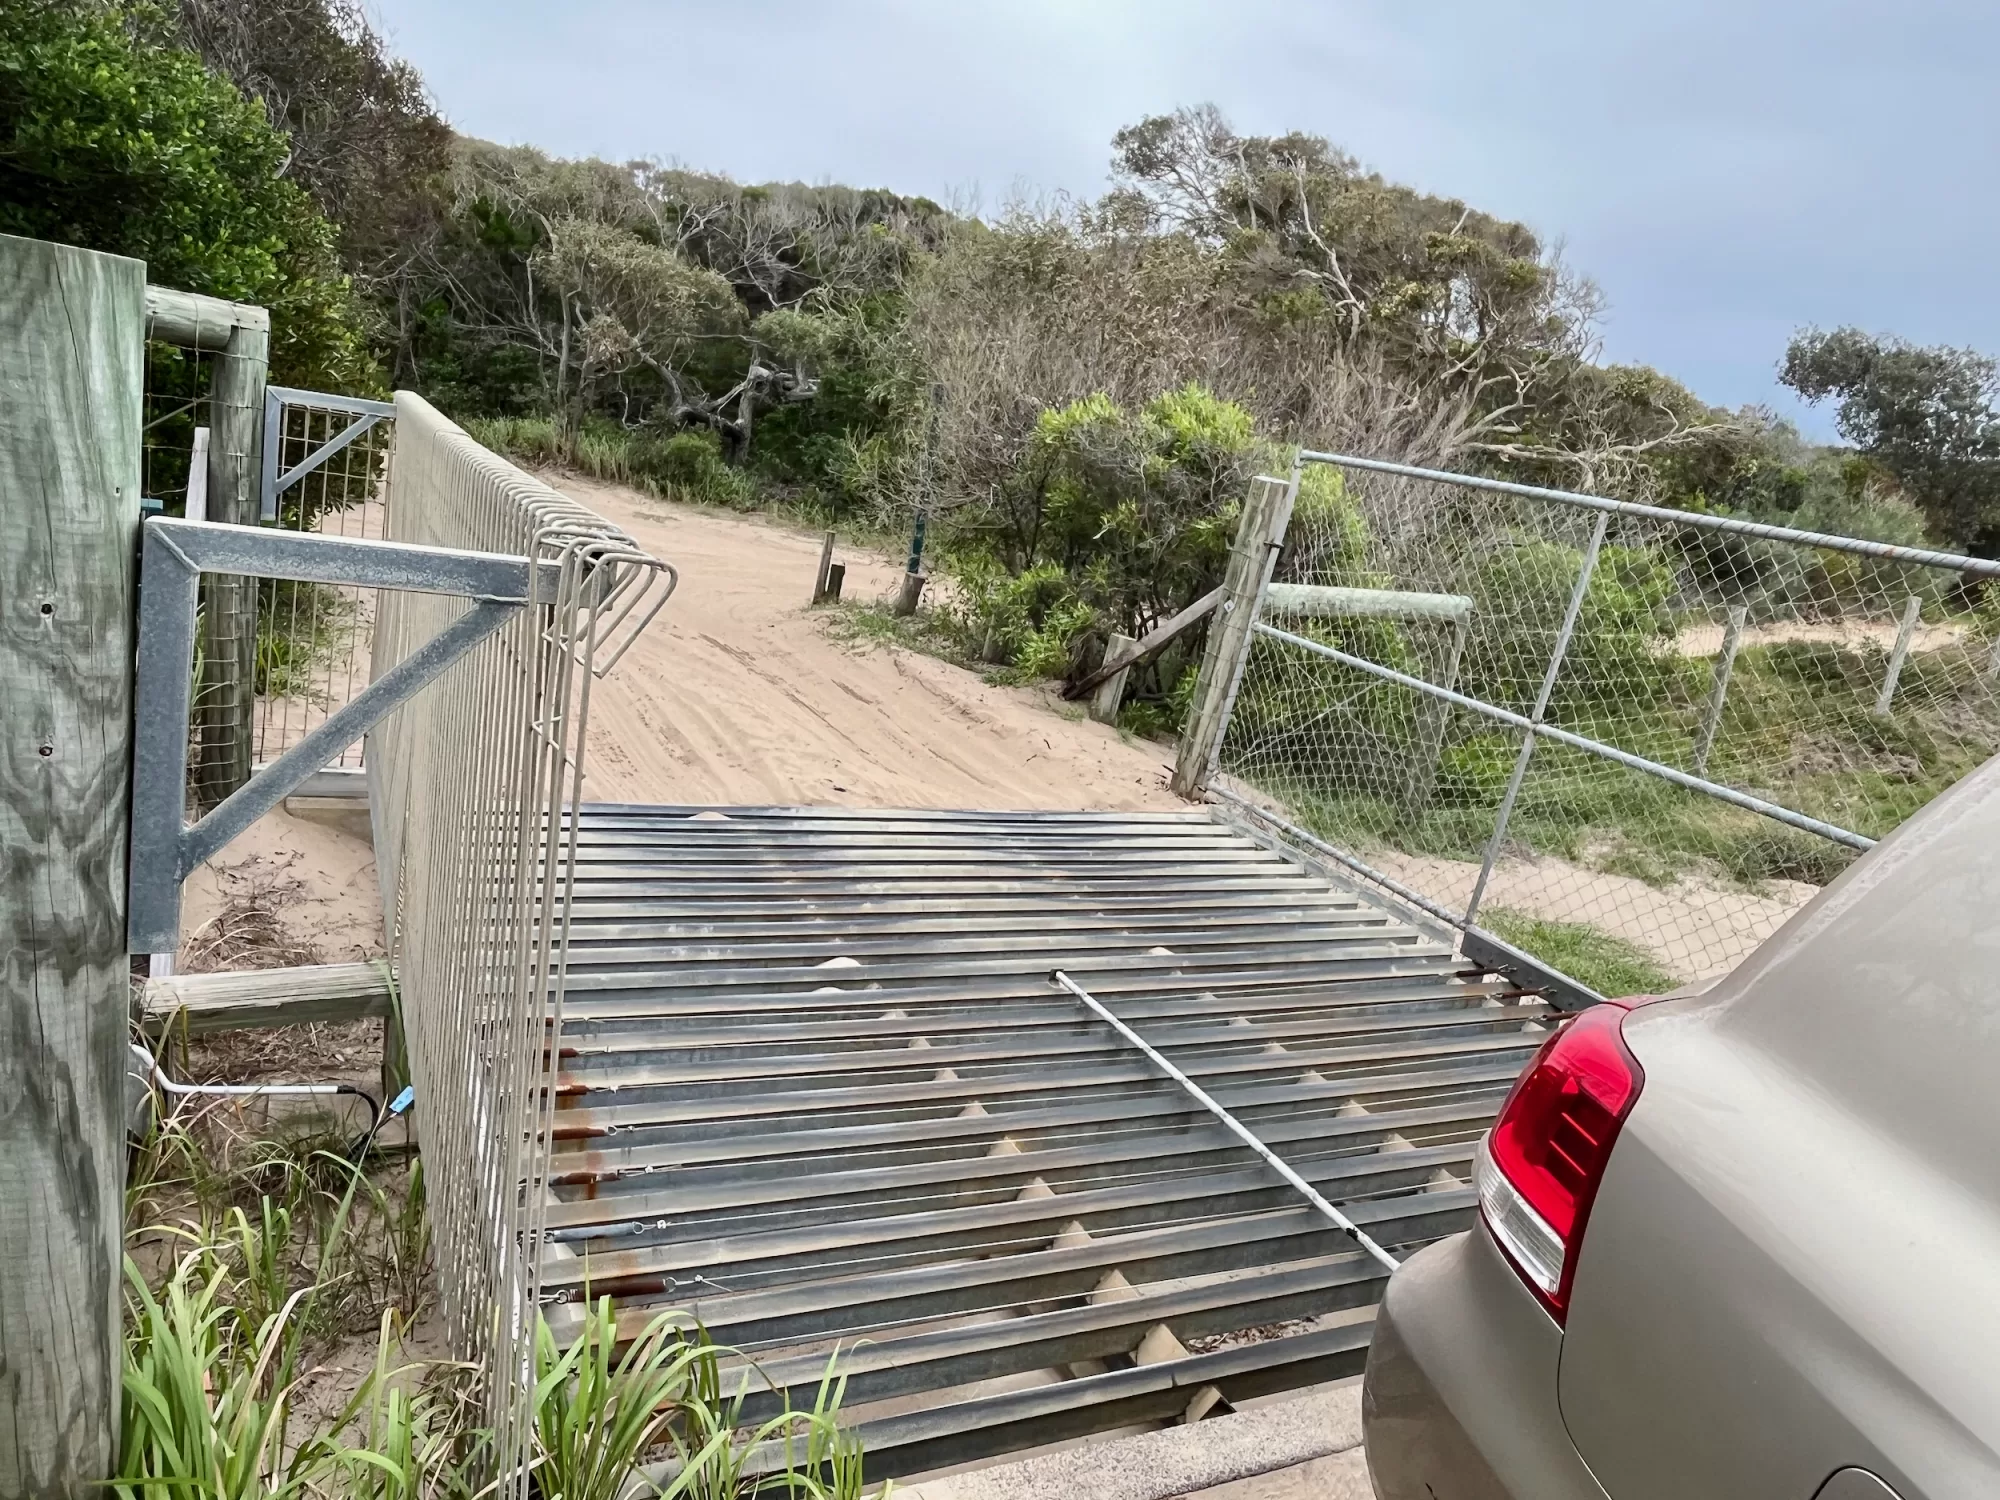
x,y
738,695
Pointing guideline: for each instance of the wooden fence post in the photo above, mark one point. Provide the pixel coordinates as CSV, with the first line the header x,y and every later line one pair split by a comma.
x,y
1260,532
71,391
825,568
1111,692
228,703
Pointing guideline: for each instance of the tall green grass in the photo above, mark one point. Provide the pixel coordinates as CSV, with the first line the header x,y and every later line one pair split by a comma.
x,y
269,1252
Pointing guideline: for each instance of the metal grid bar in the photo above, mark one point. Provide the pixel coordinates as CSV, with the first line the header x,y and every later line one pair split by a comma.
x,y
801,1098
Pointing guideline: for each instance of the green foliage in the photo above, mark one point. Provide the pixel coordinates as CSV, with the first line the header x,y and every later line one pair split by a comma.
x,y
1031,622
220,1397
1926,416
1609,965
1522,590
299,627
685,465
114,138
689,465
599,1413
205,1393
1112,520
1442,289
1474,772
526,440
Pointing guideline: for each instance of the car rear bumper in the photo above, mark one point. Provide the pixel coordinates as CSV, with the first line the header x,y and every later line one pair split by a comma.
x,y
1459,1402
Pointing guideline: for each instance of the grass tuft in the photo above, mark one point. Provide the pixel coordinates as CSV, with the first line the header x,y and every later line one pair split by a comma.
x,y
1610,965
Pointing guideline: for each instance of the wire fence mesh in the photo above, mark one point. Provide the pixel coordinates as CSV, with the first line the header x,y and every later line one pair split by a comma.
x,y
1733,713
181,462
471,782
314,640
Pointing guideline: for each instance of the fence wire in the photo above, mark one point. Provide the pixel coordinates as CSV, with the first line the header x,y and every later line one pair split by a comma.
x,y
179,470
314,641
470,782
1827,693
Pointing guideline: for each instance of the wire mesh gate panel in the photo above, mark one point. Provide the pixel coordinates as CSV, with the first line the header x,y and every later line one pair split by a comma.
x,y
325,465
468,783
817,1089
1648,739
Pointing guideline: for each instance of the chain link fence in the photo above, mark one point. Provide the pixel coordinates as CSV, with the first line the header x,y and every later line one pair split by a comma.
x,y
1628,741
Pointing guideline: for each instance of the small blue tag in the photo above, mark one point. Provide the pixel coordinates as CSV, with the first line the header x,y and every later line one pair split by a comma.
x,y
403,1100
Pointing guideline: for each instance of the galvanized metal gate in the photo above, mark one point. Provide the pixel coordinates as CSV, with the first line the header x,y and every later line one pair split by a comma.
x,y
816,1088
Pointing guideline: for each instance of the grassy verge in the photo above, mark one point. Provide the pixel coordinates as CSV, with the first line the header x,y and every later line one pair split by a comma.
x,y
260,1265
1608,964
1800,731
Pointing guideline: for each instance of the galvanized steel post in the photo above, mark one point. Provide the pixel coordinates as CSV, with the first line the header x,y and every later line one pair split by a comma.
x,y
1725,664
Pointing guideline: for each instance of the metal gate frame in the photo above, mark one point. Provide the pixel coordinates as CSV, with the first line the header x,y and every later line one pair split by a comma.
x,y
174,555
366,414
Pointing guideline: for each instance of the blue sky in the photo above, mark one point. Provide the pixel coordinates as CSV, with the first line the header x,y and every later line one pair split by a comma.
x,y
1726,172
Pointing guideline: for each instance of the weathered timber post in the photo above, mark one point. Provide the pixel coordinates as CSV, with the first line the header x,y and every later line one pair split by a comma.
x,y
239,335
912,587
1260,532
72,370
1111,692
825,568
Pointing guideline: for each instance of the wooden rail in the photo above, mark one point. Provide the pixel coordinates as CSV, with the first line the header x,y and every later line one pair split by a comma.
x,y
269,997
1152,641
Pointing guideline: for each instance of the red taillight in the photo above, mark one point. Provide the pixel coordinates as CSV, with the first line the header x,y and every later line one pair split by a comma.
x,y
1539,1168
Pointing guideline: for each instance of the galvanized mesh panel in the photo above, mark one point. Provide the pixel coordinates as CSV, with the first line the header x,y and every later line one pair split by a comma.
x,y
470,782
314,640
1843,688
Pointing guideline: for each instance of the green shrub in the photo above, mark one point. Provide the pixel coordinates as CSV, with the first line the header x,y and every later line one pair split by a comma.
x,y
1033,622
689,465
119,139
1620,652
1474,772
1135,510
684,465
526,440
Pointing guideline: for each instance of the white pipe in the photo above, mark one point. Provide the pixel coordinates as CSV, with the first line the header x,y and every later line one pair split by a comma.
x,y
157,1075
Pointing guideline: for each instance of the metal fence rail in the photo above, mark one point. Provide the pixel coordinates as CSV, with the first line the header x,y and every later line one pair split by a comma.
x,y
1653,735
468,783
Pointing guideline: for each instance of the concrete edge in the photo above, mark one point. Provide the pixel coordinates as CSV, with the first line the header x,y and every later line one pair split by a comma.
x,y
1173,1461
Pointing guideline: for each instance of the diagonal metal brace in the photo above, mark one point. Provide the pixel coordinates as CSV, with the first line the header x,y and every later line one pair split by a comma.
x,y
174,556
326,450
278,397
